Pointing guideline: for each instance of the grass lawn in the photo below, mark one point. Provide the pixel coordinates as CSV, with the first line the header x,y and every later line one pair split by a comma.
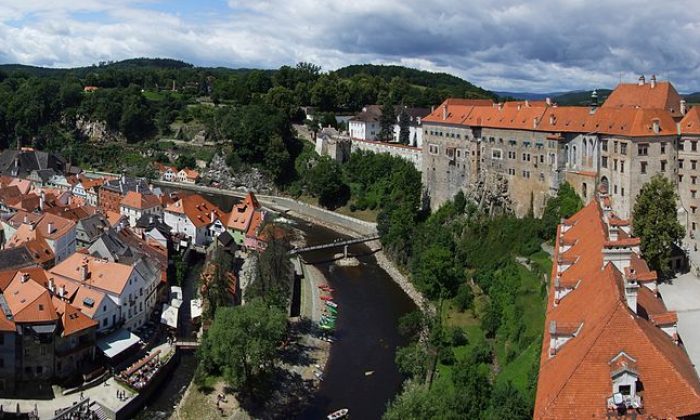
x,y
366,215
196,404
518,370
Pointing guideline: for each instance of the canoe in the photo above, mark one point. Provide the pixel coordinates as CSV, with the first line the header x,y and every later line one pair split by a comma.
x,y
340,414
326,298
331,304
332,310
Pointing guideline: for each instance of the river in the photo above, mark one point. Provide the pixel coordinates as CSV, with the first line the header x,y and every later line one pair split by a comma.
x,y
360,374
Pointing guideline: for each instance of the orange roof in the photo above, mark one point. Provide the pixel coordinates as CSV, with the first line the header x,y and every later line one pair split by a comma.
x,y
72,319
28,300
197,208
576,381
102,274
626,121
242,213
114,218
190,173
255,223
137,200
633,95
690,124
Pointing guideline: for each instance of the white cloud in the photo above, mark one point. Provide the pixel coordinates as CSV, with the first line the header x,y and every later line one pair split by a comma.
x,y
535,45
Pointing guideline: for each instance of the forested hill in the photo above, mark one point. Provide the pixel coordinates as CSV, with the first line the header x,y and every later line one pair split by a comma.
x,y
418,78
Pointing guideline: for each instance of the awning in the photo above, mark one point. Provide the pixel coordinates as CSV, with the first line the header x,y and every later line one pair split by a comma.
x,y
176,292
169,315
176,303
195,308
117,342
44,329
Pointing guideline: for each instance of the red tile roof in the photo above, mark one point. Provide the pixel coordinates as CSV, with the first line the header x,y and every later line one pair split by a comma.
x,y
197,208
576,381
136,200
72,319
633,95
242,213
102,274
690,124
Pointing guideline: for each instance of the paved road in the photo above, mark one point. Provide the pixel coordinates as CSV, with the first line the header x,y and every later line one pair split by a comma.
x,y
683,296
286,205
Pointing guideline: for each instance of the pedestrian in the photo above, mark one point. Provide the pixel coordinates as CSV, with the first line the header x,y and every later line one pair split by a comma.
x,y
81,395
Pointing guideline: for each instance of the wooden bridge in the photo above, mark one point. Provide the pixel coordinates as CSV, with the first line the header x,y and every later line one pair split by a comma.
x,y
336,244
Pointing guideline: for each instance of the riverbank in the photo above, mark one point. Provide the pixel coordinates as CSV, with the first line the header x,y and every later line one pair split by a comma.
x,y
297,377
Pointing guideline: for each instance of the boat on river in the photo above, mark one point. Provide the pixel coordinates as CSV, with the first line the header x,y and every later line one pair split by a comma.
x,y
333,311
326,298
331,304
339,414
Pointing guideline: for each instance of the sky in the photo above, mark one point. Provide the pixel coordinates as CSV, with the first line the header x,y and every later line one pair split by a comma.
x,y
502,45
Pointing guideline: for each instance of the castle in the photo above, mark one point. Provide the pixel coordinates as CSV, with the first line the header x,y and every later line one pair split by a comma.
x,y
529,148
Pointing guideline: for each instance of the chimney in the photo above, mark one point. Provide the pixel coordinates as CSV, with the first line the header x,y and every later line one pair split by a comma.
x,y
26,219
212,215
432,108
631,288
49,228
653,81
684,107
548,101
534,122
62,291
594,98
552,120
84,272
51,286
527,103
642,80
655,125
444,112
42,198
25,277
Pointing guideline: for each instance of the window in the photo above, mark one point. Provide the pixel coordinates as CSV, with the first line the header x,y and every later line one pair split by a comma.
x,y
693,193
693,180
622,191
604,145
643,168
693,164
663,148
695,226
693,146
680,179
625,389
496,154
680,163
615,147
614,164
623,148
622,166
433,149
604,162
615,189
663,166
693,209
511,171
643,149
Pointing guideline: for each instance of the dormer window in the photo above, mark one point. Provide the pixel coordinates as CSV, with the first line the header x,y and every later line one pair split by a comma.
x,y
562,289
624,380
560,334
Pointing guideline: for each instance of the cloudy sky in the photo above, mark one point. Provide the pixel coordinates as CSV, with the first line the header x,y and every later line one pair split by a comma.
x,y
526,45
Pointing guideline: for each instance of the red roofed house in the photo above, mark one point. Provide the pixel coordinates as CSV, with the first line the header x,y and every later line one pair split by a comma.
x,y
135,204
187,176
49,337
610,347
58,232
195,218
239,220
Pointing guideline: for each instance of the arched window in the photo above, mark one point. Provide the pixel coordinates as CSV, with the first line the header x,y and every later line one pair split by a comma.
x,y
584,190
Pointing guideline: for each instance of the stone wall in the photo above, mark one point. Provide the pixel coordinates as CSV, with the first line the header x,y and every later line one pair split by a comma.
x,y
411,154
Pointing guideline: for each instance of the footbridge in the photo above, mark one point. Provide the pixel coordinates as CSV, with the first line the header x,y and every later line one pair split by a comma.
x,y
336,244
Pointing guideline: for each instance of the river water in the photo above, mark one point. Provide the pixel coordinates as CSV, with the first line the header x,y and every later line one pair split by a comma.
x,y
360,374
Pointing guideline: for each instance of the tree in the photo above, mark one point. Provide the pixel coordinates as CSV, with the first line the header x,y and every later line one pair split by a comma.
x,y
404,128
655,222
275,272
434,273
564,205
185,161
242,343
325,182
387,121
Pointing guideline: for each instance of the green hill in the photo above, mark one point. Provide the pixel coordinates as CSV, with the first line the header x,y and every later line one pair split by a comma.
x,y
581,97
440,81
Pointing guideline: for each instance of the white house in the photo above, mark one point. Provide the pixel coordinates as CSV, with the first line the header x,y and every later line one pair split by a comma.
x,y
124,285
191,216
135,204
